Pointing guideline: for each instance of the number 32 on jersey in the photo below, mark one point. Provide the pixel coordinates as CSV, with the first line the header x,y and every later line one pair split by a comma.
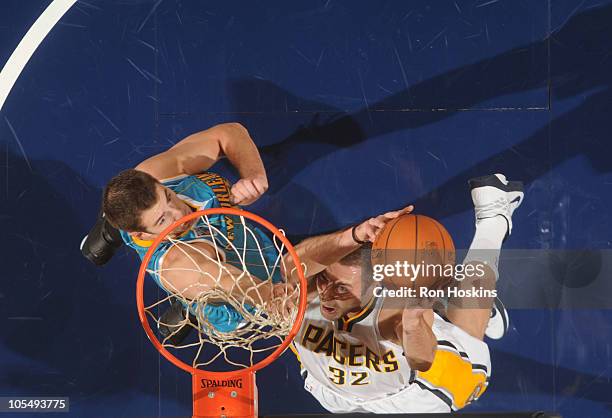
x,y
339,377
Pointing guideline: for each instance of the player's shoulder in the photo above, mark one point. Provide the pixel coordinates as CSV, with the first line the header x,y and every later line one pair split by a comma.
x,y
210,178
175,180
204,180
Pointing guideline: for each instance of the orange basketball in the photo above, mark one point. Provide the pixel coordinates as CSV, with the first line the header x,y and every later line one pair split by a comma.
x,y
415,240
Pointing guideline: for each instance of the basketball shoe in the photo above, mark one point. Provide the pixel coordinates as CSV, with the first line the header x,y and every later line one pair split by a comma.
x,y
494,195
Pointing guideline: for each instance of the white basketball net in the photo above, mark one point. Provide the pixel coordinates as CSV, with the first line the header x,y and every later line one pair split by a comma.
x,y
267,316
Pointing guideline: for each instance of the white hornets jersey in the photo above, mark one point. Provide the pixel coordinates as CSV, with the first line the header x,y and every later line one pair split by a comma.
x,y
349,356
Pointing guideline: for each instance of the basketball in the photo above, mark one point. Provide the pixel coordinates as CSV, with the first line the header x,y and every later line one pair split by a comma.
x,y
420,250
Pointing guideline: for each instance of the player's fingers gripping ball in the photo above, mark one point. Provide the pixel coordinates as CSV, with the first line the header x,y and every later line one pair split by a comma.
x,y
413,251
371,229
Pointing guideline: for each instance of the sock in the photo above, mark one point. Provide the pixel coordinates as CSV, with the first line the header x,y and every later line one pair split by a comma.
x,y
487,242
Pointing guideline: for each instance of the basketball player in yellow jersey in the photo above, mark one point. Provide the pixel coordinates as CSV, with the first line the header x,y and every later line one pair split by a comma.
x,y
362,353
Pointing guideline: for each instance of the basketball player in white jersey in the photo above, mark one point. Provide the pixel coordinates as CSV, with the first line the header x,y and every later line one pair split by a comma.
x,y
362,353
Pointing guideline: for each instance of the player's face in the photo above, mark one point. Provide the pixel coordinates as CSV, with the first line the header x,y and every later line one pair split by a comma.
x,y
339,288
168,209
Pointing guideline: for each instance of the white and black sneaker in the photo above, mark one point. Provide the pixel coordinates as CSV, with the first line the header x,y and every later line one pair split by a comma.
x,y
493,195
499,322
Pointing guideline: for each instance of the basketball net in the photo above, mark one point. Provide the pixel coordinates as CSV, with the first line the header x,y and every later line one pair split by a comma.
x,y
241,321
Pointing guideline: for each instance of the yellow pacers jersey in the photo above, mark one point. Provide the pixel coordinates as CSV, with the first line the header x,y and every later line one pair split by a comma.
x,y
349,356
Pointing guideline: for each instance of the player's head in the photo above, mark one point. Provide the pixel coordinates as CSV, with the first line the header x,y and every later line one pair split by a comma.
x,y
136,202
342,285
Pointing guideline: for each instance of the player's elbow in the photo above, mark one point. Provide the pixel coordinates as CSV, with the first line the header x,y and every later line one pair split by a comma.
x,y
423,360
231,135
235,126
232,131
421,365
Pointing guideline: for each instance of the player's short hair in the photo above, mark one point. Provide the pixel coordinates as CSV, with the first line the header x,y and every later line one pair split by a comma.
x,y
126,196
360,257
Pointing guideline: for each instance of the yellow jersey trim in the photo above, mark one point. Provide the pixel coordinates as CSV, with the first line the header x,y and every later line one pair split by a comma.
x,y
347,322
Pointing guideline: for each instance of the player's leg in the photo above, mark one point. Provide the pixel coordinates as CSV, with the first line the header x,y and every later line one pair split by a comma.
x,y
473,314
495,200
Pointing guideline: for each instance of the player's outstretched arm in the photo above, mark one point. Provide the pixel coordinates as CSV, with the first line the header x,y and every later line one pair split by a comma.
x,y
317,253
416,337
198,152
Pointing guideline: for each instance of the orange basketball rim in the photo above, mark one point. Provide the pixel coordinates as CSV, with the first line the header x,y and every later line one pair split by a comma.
x,y
228,393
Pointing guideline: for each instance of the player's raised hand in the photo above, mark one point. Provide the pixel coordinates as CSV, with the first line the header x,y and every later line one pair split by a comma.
x,y
368,231
248,190
284,299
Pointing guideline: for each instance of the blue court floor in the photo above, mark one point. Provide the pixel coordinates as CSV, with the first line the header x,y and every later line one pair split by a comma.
x,y
358,107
